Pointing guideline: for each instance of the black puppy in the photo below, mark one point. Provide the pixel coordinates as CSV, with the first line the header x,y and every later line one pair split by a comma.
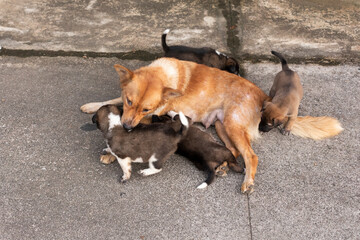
x,y
205,55
152,144
201,149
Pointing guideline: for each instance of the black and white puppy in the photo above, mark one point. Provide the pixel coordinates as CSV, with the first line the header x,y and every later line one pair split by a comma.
x,y
152,144
206,154
205,55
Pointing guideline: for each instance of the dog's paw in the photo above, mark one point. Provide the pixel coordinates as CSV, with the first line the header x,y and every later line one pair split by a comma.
x,y
91,107
247,186
285,132
124,179
107,159
202,186
148,171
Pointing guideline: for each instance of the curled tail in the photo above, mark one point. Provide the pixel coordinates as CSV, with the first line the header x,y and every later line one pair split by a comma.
x,y
163,40
316,127
284,65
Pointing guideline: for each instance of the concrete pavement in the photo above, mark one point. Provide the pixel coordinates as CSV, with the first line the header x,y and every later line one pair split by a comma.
x,y
52,183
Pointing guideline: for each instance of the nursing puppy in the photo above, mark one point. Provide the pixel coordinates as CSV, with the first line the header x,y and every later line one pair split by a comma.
x,y
286,93
201,149
207,56
151,144
283,105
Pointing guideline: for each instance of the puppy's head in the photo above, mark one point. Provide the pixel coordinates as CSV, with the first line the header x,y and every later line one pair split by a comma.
x,y
232,66
107,117
142,93
271,117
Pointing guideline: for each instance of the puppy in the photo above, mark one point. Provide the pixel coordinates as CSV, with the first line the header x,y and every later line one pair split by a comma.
x,y
152,144
206,56
286,94
201,149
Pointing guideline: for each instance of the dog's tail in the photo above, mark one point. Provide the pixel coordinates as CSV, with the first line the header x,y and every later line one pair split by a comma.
x,y
284,64
163,40
316,127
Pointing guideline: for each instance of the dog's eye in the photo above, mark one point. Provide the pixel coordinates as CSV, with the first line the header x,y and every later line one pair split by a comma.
x,y
145,110
128,102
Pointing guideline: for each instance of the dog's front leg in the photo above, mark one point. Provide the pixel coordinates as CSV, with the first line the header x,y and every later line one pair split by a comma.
x,y
125,164
288,126
94,106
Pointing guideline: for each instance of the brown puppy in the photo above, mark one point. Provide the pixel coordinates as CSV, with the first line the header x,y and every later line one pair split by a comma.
x,y
151,144
207,56
201,149
283,105
286,93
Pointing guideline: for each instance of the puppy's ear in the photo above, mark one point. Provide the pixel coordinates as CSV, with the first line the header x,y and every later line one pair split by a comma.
x,y
169,93
265,105
232,65
125,74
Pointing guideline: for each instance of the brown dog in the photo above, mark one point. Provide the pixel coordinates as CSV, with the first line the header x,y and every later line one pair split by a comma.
x,y
151,144
206,154
205,95
286,93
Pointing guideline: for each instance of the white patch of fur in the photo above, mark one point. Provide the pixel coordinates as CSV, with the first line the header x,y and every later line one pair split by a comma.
x,y
172,114
138,160
151,170
183,120
202,186
108,150
114,120
166,31
170,69
217,52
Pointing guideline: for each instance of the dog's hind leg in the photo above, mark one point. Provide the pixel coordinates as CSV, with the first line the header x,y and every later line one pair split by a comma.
x,y
241,140
94,106
208,181
220,130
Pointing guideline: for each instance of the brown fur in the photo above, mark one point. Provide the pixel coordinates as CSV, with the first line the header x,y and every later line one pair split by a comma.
x,y
285,95
205,95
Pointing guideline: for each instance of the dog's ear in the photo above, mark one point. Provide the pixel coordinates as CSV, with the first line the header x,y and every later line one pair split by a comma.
x,y
169,93
232,65
124,73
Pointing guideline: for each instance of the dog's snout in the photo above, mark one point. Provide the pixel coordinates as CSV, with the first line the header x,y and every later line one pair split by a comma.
x,y
127,126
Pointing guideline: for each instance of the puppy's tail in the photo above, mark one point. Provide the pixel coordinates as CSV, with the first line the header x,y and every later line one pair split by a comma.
x,y
163,40
284,65
184,124
316,127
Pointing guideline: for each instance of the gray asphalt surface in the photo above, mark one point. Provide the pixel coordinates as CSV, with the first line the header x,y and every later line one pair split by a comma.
x,y
52,185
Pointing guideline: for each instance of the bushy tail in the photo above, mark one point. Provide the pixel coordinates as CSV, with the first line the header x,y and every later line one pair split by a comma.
x,y
163,40
316,127
284,65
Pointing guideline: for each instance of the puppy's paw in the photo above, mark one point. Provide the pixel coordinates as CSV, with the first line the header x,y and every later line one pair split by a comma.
x,y
91,107
222,170
123,179
247,186
285,132
202,186
148,171
107,159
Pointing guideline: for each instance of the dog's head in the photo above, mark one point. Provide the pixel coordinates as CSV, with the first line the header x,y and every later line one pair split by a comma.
x,y
232,66
107,117
142,93
271,117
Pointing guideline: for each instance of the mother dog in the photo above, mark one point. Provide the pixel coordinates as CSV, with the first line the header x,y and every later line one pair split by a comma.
x,y
204,94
